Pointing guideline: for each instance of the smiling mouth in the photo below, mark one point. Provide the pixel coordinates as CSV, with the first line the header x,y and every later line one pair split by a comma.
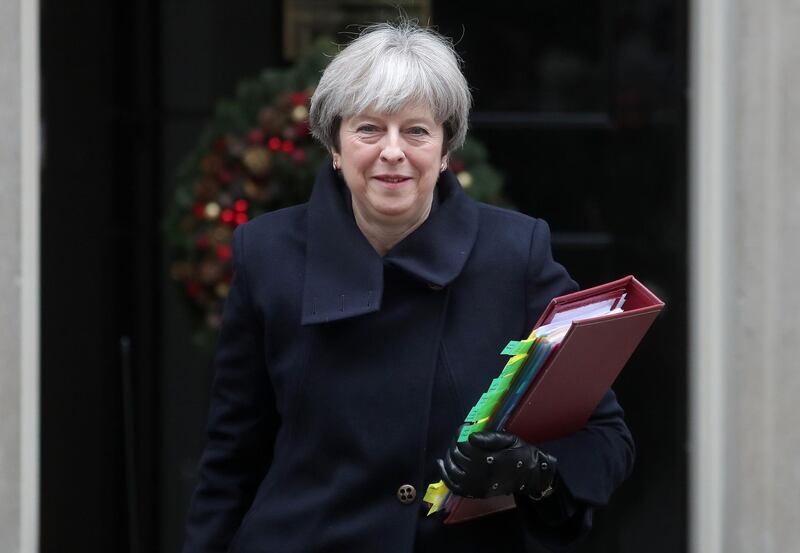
x,y
392,179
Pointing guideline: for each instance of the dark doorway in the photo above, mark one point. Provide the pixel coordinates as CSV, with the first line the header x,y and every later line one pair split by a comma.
x,y
100,244
582,107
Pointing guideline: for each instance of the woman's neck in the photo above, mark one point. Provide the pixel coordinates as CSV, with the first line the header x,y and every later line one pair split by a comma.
x,y
384,236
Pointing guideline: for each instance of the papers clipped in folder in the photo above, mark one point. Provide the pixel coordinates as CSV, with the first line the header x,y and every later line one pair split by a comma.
x,y
496,404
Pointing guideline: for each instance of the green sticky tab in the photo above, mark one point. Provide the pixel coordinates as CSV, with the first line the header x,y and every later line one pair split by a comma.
x,y
483,399
471,429
472,416
510,370
515,347
465,432
499,385
488,404
505,384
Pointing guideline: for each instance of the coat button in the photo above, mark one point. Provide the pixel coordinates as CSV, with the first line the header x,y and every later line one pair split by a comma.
x,y
406,494
433,286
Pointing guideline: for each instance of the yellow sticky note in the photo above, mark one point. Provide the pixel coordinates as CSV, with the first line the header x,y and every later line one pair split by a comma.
x,y
513,365
435,496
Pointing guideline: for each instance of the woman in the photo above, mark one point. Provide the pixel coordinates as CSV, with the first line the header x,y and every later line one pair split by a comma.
x,y
361,327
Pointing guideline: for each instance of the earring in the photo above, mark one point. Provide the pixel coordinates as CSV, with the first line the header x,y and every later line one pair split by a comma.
x,y
443,167
335,165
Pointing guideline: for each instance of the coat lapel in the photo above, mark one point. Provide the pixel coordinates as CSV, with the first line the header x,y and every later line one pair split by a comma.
x,y
344,274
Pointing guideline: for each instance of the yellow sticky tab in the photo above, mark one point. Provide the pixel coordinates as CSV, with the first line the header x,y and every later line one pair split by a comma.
x,y
514,364
435,495
434,490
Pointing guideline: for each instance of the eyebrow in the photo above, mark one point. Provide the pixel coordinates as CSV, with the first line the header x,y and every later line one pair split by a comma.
x,y
421,119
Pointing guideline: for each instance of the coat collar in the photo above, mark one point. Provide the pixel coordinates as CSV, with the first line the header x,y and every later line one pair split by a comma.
x,y
344,274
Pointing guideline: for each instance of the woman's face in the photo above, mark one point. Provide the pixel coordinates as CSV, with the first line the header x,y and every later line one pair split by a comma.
x,y
390,163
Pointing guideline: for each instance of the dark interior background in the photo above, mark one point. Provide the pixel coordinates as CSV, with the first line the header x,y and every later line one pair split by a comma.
x,y
581,106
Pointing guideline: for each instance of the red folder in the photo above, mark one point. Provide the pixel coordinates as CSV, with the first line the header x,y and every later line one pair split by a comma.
x,y
572,382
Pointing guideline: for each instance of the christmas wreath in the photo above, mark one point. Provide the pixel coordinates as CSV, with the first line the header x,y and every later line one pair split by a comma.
x,y
257,155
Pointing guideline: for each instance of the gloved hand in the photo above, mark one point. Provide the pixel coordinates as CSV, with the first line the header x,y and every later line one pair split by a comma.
x,y
497,463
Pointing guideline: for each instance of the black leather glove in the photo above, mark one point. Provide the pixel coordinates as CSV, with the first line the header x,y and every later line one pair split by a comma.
x,y
497,463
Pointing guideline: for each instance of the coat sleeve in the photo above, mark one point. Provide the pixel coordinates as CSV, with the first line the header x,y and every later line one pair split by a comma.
x,y
594,461
242,421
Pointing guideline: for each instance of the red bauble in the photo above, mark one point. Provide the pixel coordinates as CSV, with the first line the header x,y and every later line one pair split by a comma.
x,y
274,143
299,156
287,146
227,216
299,98
225,177
194,289
255,136
224,252
199,209
203,243
220,146
240,205
301,129
241,218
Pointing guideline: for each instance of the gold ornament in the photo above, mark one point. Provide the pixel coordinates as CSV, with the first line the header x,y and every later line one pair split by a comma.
x,y
222,290
257,160
465,178
212,211
222,234
251,189
299,114
210,272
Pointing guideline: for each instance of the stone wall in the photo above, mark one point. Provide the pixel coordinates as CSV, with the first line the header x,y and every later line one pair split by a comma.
x,y
763,480
745,267
10,274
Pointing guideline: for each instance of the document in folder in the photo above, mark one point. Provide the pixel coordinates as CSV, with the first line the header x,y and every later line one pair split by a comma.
x,y
556,377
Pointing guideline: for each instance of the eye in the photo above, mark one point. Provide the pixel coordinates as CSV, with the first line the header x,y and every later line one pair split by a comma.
x,y
367,128
418,131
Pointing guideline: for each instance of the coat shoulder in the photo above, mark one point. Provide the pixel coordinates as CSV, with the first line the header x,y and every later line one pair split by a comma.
x,y
280,219
276,229
504,226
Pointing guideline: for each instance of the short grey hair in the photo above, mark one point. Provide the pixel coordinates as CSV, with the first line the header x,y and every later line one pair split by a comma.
x,y
387,67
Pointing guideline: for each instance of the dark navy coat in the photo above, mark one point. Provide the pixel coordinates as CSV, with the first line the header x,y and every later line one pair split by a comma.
x,y
342,375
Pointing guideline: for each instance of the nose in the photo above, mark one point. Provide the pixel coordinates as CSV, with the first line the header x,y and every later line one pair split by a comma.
x,y
392,151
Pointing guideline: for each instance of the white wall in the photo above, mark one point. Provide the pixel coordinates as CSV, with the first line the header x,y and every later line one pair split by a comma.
x,y
745,265
19,279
